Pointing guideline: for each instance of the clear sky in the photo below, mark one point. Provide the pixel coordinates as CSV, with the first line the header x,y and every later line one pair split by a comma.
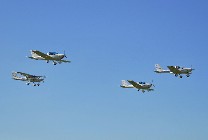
x,y
107,41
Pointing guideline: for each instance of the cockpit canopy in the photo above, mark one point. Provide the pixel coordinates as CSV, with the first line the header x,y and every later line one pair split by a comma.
x,y
141,82
52,53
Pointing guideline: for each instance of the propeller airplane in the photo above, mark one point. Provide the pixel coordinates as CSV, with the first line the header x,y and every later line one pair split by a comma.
x,y
50,56
143,86
28,78
176,70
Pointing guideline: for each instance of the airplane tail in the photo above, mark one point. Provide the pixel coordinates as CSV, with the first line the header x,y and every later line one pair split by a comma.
x,y
33,55
14,76
124,83
158,67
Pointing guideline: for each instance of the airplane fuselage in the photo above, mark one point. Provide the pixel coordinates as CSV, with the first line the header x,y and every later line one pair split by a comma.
x,y
162,71
20,78
127,86
35,79
186,70
55,57
143,86
28,79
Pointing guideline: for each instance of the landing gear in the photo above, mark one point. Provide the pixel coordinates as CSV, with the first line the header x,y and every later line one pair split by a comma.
x,y
47,61
176,75
187,75
54,63
38,84
181,76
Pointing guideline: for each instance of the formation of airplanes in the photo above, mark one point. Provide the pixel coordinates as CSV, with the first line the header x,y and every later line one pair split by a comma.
x,y
37,55
143,86
57,58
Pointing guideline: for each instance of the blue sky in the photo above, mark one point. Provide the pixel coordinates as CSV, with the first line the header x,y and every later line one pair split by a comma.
x,y
107,41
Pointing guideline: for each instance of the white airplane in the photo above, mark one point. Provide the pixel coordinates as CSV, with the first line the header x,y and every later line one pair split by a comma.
x,y
29,78
138,85
50,56
176,70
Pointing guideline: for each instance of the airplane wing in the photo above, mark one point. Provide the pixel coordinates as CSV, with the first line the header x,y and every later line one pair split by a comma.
x,y
24,74
30,57
66,61
45,56
28,75
174,70
150,89
134,84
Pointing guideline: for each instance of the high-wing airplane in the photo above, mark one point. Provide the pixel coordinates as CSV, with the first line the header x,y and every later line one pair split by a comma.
x,y
138,85
28,78
177,70
50,56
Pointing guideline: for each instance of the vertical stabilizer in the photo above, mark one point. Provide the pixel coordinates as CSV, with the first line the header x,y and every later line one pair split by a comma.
x,y
158,68
34,55
124,83
15,76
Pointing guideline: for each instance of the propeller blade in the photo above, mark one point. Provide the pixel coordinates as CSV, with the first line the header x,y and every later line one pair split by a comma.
x,y
192,68
65,54
153,84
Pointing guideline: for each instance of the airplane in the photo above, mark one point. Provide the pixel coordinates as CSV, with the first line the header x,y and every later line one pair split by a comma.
x,y
176,70
50,56
138,85
27,77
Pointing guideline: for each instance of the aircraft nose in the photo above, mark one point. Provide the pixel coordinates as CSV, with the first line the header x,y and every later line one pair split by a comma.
x,y
62,56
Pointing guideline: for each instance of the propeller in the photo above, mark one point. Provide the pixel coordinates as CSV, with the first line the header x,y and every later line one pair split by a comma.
x,y
192,68
65,54
153,84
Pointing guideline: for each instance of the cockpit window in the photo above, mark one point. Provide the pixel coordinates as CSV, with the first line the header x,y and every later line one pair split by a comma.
x,y
52,53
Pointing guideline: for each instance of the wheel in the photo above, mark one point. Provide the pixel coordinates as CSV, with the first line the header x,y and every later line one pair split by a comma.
x,y
38,84
181,76
34,85
187,75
